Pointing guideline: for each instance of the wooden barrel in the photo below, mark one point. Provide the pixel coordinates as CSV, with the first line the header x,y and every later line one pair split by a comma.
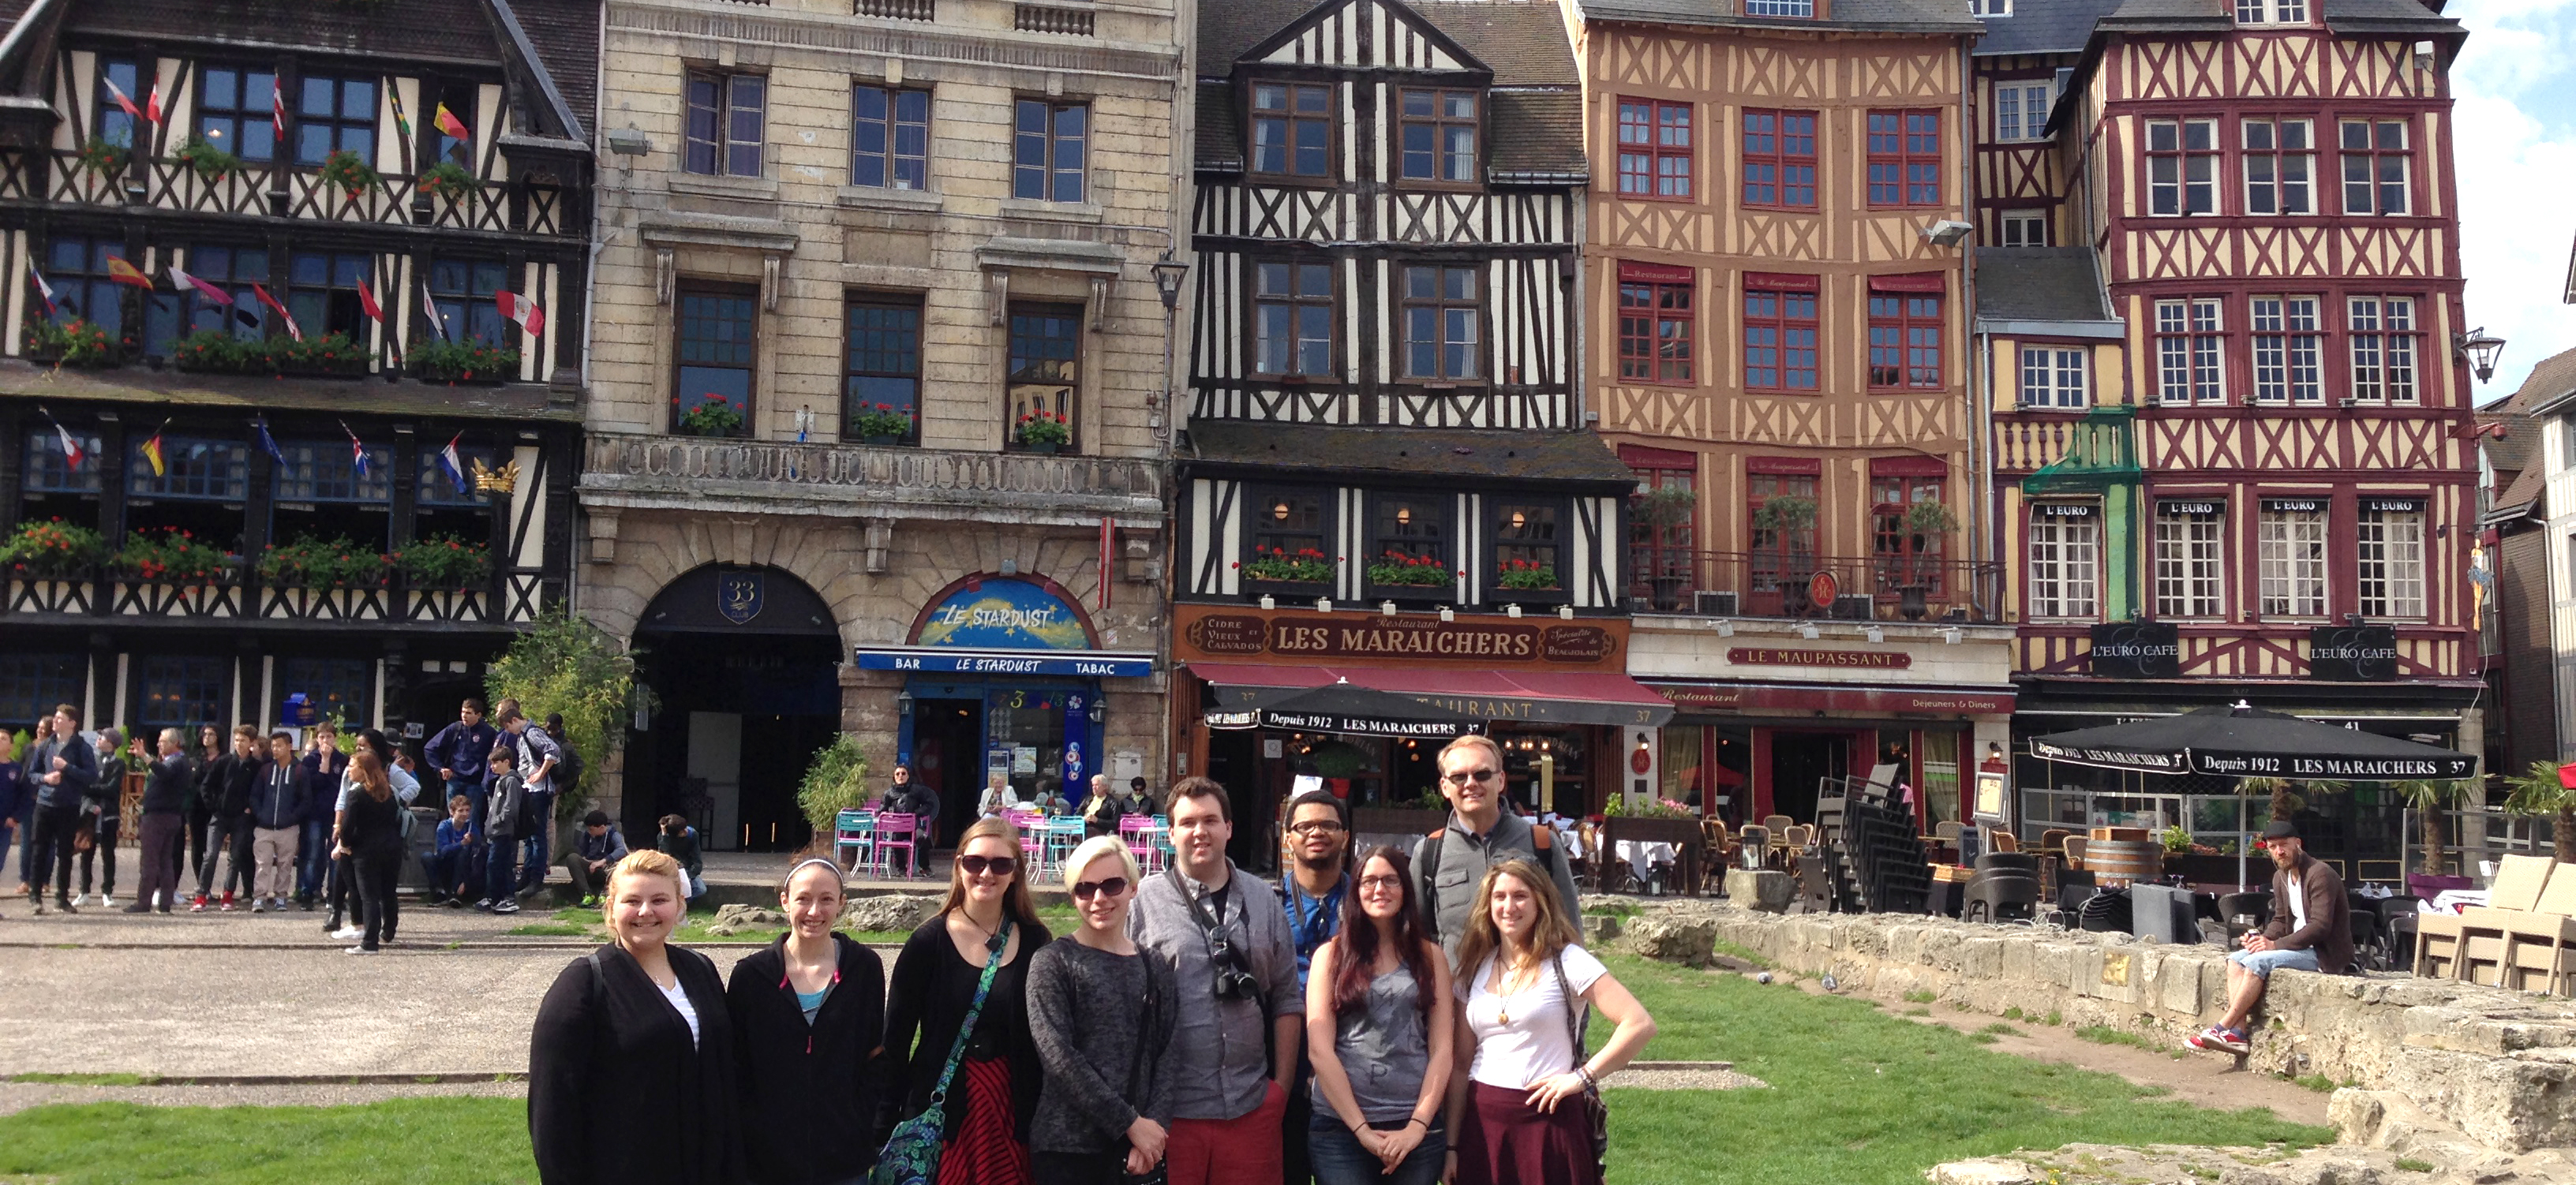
x,y
2121,861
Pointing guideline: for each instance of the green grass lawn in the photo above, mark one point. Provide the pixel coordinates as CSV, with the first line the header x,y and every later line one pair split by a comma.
x,y
1858,1097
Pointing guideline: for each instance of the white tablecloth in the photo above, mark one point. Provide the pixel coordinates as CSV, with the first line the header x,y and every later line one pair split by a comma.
x,y
1642,856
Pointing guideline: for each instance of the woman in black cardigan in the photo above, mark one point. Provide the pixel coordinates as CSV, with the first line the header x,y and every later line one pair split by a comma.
x,y
809,1025
986,1127
631,1067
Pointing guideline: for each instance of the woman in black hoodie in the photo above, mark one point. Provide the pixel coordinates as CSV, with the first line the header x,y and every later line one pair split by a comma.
x,y
809,1025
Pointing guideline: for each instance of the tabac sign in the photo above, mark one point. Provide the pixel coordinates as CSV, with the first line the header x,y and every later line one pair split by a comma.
x,y
1480,641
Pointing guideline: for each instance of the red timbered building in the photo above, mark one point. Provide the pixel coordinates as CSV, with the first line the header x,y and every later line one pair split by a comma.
x,y
1777,324
2263,489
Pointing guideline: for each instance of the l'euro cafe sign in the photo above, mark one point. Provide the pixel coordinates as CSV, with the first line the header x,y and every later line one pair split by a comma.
x,y
1363,636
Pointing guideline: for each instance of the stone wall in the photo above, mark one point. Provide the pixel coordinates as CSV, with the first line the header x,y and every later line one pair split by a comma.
x,y
2499,1065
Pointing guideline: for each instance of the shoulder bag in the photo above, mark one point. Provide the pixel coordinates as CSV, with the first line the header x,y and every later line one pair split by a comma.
x,y
911,1153
1596,1114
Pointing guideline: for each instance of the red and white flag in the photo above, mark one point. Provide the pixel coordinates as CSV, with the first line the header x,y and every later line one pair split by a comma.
x,y
152,102
292,329
73,453
522,311
122,99
367,303
183,281
277,109
42,288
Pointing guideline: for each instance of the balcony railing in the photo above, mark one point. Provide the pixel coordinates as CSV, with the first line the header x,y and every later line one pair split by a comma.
x,y
901,10
1784,584
709,472
239,594
276,189
1047,18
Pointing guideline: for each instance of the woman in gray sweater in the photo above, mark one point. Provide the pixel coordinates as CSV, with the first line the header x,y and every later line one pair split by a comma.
x,y
1101,1014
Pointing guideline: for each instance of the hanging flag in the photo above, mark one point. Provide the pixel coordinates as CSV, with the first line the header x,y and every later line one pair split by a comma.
x,y
277,109
126,273
402,122
367,303
183,282
119,93
268,444
1108,545
521,311
73,453
293,330
152,452
152,103
454,463
437,320
448,123
43,289
357,452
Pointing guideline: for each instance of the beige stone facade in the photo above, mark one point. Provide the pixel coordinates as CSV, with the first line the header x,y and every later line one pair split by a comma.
x,y
880,532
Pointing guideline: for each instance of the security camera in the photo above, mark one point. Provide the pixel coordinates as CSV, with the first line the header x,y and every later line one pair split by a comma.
x,y
1947,233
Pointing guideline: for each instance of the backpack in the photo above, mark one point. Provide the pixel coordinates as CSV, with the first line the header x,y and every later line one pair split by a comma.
x,y
567,775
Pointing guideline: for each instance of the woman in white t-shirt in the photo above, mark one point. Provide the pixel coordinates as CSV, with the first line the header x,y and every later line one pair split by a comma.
x,y
1516,1096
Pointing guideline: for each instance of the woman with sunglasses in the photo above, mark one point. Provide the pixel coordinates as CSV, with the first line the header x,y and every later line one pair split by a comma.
x,y
1379,1029
1101,1010
809,1022
985,1129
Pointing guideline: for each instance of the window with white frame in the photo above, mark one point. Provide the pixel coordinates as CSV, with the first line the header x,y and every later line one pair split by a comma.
x,y
2392,557
2025,228
1989,7
2271,12
2189,567
2292,550
2288,350
2065,560
2182,167
2021,110
2280,166
2053,376
2382,335
2189,333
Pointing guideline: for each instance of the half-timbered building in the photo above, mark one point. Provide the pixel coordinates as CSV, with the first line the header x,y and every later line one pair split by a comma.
x,y
2267,493
1777,313
289,351
1385,476
2023,60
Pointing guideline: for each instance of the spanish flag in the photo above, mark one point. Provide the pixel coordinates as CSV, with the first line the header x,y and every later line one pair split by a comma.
x,y
448,123
126,273
152,453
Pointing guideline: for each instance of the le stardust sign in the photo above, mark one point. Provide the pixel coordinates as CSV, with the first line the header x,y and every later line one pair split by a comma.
x,y
1481,641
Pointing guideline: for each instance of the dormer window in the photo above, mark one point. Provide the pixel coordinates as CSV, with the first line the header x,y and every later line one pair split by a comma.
x,y
1439,129
1292,129
2271,12
1799,9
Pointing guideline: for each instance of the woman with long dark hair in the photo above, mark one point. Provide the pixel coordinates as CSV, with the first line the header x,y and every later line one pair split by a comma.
x,y
988,920
1378,1031
371,837
1518,1079
808,1020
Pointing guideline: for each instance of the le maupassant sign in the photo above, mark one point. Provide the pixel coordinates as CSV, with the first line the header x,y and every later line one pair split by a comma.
x,y
1755,698
2136,650
1366,637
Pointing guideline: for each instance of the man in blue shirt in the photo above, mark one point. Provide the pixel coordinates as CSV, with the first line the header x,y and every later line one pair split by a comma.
x,y
62,768
1318,882
460,752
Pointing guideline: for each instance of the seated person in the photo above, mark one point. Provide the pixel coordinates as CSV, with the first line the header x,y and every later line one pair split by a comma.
x,y
679,841
457,860
596,850
2310,930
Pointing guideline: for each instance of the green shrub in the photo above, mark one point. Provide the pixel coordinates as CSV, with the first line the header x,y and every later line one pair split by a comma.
x,y
307,562
836,780
52,549
444,561
467,360
563,663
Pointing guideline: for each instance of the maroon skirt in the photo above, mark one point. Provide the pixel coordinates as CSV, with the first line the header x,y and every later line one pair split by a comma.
x,y
1505,1141
986,1151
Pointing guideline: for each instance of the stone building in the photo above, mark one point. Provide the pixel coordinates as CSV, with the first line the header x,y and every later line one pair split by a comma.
x,y
878,394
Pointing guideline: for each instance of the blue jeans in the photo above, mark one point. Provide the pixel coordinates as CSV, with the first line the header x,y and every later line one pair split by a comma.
x,y
312,858
541,805
472,789
2264,963
500,864
454,869
1337,1158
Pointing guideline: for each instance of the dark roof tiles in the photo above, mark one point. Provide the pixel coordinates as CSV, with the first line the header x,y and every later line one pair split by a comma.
x,y
2547,387
2039,284
1924,16
566,34
2043,27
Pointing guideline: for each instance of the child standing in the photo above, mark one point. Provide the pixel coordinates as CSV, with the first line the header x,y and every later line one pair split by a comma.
x,y
501,807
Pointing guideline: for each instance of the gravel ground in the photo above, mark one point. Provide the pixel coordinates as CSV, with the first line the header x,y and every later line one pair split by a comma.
x,y
18,1096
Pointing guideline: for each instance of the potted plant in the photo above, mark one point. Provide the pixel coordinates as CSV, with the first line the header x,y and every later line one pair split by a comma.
x,y
1788,518
881,424
470,362
76,342
176,557
51,550
1299,575
1396,569
104,159
1526,576
1925,522
1043,431
211,163
713,416
331,355
346,172
444,562
323,564
449,181
1665,509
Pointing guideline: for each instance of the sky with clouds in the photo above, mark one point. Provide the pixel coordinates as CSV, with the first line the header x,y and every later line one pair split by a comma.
x,y
2515,91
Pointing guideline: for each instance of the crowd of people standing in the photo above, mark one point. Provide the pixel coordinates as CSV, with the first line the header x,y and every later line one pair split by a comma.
x,y
1389,1016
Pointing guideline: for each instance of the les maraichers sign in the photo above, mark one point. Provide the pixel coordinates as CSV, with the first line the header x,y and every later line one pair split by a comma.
x,y
1372,636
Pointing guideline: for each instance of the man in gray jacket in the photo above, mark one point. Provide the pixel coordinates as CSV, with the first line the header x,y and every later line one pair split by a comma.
x,y
1239,1014
1449,865
63,769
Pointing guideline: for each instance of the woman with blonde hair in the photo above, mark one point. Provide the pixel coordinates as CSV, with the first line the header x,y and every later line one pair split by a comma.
x,y
1522,1098
809,1026
960,990
631,1066
1101,1010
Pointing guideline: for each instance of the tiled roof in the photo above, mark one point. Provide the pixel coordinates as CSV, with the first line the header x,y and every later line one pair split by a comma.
x,y
2521,492
566,35
2518,439
2043,27
1220,143
1229,27
1522,41
1537,133
2409,16
456,30
1429,453
1908,16
2547,387
2039,284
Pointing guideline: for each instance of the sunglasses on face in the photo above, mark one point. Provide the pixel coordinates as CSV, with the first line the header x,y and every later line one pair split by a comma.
x,y
996,865
1086,890
1463,777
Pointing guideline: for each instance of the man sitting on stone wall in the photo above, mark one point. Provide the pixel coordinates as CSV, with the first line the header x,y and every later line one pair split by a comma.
x,y
2311,930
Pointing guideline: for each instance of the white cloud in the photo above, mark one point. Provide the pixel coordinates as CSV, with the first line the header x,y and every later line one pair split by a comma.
x,y
2514,87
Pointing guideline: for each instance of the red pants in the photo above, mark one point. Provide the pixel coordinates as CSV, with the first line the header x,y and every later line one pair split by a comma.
x,y
1240,1151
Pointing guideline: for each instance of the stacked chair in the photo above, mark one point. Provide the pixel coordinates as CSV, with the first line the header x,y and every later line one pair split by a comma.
x,y
2524,938
2005,888
1882,867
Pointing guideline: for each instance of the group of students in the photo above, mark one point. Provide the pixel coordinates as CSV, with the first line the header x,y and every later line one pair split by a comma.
x,y
1423,1010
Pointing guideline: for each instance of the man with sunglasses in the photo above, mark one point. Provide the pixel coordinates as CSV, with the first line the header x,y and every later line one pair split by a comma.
x,y
1234,1039
1449,863
1318,881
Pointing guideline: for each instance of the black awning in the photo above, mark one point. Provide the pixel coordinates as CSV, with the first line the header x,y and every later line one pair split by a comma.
x,y
2249,742
1340,707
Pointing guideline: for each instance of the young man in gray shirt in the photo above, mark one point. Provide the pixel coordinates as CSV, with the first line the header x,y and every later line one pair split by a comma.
x,y
1449,866
1234,1040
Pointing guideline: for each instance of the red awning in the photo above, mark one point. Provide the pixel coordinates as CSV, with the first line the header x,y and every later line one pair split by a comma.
x,y
1537,697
